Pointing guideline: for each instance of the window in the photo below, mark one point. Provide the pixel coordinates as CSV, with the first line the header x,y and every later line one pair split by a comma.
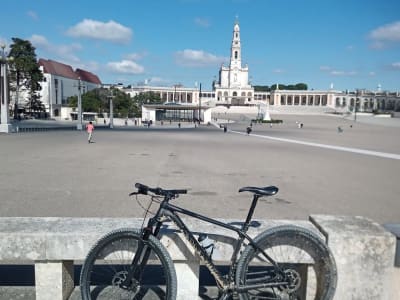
x,y
236,54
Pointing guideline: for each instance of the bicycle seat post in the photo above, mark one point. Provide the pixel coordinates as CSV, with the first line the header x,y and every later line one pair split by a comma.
x,y
251,212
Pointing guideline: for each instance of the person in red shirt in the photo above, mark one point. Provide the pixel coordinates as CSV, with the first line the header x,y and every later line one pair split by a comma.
x,y
89,130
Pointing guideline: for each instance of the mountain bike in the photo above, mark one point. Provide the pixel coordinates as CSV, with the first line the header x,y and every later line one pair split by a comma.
x,y
283,262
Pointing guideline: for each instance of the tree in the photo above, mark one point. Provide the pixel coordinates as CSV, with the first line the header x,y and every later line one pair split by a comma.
x,y
34,105
92,101
145,98
97,100
24,69
290,87
262,88
122,103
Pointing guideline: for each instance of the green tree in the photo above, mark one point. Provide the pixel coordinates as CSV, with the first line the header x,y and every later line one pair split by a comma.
x,y
123,104
145,98
24,69
98,100
262,88
34,105
91,101
301,86
290,87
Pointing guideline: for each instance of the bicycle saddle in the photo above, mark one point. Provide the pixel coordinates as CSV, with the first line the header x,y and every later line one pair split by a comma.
x,y
261,191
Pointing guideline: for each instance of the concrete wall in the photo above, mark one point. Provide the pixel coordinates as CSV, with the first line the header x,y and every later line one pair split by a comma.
x,y
364,251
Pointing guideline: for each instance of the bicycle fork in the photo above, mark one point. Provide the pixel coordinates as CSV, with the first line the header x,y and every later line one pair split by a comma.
x,y
140,260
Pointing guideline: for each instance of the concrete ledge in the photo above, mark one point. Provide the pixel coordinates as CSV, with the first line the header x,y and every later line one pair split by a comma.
x,y
362,249
364,252
395,230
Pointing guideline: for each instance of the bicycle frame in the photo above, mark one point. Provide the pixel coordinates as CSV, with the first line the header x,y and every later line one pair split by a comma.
x,y
171,211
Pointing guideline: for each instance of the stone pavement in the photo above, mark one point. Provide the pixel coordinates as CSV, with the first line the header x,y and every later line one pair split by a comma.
x,y
57,173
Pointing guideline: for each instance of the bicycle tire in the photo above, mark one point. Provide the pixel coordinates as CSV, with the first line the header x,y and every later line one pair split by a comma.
x,y
108,260
312,259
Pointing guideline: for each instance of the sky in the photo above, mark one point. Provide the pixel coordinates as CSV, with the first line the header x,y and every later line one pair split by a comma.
x,y
350,44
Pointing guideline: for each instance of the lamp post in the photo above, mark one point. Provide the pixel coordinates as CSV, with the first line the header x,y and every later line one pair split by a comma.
x,y
111,109
5,125
200,105
355,107
79,125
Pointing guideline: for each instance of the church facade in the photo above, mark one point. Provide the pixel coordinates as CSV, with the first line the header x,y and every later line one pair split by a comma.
x,y
233,86
234,89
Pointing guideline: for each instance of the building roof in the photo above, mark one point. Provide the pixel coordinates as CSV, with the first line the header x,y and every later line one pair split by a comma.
x,y
57,68
63,70
87,76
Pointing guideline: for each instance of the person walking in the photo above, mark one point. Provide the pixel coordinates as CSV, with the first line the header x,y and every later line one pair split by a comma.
x,y
89,130
248,130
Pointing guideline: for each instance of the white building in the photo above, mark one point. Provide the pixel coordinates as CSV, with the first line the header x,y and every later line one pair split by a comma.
x,y
61,82
234,89
233,86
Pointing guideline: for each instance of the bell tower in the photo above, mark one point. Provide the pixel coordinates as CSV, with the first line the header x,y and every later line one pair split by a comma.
x,y
233,86
236,52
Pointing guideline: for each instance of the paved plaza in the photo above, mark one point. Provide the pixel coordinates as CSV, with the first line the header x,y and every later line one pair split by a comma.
x,y
57,173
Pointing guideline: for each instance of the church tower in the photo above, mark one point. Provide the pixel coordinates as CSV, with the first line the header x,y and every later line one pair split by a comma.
x,y
236,55
233,86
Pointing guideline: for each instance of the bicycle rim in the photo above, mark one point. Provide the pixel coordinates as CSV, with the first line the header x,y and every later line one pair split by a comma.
x,y
107,265
302,256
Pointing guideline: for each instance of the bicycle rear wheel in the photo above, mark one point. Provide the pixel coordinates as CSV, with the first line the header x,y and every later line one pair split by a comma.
x,y
304,258
106,266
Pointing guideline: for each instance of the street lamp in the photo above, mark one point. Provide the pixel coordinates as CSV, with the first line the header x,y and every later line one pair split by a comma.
x,y
79,125
355,106
200,105
5,125
111,109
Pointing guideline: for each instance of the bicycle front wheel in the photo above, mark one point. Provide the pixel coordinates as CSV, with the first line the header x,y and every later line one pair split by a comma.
x,y
106,267
308,266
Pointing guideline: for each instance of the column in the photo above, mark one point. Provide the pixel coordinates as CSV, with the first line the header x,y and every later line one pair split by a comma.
x,y
5,125
363,249
54,280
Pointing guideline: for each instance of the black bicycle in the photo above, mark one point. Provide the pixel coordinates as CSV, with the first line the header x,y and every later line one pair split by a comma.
x,y
284,262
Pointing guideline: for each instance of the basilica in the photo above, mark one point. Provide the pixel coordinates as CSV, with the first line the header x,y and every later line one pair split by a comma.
x,y
233,85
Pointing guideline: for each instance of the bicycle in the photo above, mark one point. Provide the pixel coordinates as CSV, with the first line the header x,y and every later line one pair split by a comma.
x,y
124,263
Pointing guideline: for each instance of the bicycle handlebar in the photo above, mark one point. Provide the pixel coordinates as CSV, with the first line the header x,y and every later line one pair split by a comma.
x,y
144,189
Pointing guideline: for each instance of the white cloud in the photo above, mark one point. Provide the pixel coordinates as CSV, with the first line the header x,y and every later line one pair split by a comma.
x,y
334,72
110,31
197,58
65,52
325,68
279,71
136,56
395,66
202,22
33,15
125,67
156,79
385,35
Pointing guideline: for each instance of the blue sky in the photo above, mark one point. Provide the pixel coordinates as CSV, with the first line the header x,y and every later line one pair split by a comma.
x,y
352,44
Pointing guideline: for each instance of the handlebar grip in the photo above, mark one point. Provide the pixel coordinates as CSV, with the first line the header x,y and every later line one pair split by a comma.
x,y
139,185
181,191
142,189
